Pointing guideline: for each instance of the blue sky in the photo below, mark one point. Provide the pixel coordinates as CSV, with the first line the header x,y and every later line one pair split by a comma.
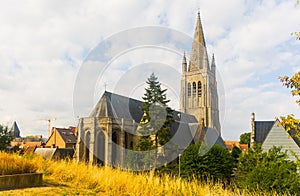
x,y
44,44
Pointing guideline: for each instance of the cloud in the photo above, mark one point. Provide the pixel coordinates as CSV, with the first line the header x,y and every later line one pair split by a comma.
x,y
43,45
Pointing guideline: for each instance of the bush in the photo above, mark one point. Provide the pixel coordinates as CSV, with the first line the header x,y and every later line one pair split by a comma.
x,y
216,164
267,171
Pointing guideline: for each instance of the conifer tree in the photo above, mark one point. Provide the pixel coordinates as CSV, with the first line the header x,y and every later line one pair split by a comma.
x,y
156,121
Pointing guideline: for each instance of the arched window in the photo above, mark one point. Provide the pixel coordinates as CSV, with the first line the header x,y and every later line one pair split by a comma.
x,y
194,88
199,89
189,89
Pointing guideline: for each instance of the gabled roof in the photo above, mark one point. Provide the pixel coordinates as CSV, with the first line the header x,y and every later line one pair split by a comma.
x,y
67,135
118,106
262,129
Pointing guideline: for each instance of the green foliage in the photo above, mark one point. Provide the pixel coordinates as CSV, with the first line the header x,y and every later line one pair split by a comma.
x,y
5,137
236,153
157,117
245,138
216,164
267,171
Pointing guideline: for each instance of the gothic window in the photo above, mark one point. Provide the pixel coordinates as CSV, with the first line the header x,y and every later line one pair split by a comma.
x,y
199,89
189,89
194,88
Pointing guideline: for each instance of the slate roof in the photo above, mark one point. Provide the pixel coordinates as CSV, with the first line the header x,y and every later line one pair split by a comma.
x,y
262,129
67,135
118,106
16,130
55,153
182,130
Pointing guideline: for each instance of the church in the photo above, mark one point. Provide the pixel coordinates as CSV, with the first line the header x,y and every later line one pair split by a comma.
x,y
106,136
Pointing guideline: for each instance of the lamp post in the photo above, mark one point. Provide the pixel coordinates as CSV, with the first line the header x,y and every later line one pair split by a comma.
x,y
179,165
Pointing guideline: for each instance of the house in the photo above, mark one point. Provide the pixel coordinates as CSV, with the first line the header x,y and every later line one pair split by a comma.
x,y
272,133
231,144
28,143
62,138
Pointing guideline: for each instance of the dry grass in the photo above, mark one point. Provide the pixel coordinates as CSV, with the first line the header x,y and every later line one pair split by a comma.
x,y
71,178
15,164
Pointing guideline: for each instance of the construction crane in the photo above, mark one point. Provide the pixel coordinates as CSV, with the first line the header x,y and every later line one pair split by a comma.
x,y
49,120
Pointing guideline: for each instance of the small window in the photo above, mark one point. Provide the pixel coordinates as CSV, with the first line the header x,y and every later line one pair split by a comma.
x,y
194,88
199,89
189,89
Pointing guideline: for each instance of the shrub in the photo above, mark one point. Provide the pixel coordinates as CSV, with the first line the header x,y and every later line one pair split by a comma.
x,y
216,164
267,171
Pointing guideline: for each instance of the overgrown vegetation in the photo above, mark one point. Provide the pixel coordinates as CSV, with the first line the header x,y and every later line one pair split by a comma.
x,y
267,171
107,181
67,177
216,164
15,164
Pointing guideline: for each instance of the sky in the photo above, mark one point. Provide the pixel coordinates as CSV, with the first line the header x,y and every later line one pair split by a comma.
x,y
45,44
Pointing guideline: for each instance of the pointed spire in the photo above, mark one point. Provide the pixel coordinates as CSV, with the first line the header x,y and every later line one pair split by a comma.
x,y
213,62
184,64
16,130
213,65
199,35
199,59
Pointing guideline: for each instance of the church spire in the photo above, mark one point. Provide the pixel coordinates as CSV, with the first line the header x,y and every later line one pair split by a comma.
x,y
199,35
213,65
199,59
184,65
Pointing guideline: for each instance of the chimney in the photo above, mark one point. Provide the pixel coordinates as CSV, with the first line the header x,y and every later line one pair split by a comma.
x,y
252,129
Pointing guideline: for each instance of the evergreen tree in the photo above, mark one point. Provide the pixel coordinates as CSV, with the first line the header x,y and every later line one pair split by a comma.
x,y
155,124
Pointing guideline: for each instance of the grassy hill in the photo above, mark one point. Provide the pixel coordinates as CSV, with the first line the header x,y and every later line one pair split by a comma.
x,y
71,178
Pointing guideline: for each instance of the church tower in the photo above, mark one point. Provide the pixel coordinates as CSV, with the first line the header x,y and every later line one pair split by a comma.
x,y
198,93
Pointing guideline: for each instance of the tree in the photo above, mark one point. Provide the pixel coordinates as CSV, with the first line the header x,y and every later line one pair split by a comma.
x,y
5,137
290,122
245,138
236,153
156,121
267,171
216,164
